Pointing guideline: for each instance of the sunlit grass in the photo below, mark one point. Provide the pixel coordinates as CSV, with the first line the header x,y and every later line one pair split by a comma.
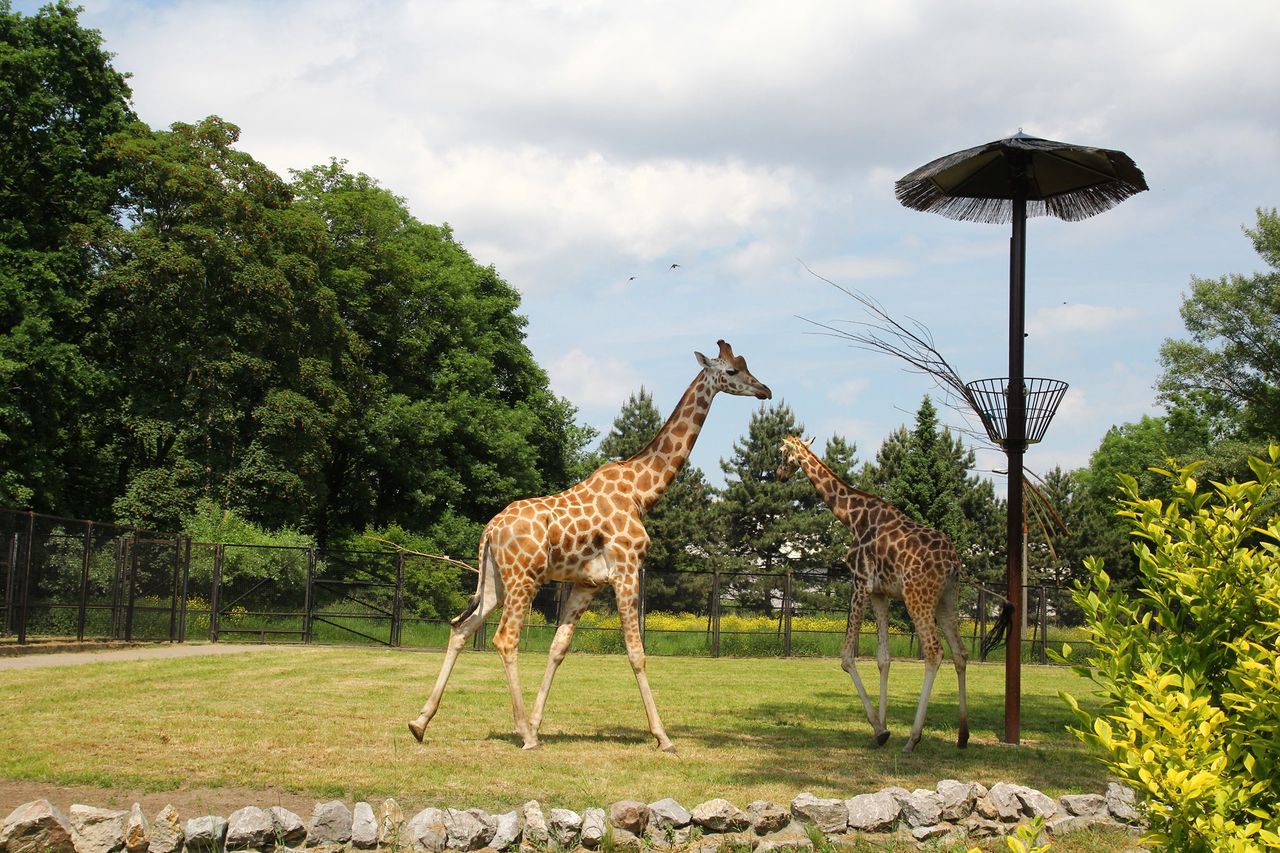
x,y
331,721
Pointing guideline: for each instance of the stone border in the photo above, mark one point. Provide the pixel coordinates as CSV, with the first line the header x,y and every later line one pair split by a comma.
x,y
960,810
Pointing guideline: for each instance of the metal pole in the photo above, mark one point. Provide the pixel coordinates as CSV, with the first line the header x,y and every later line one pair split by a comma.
x,y
215,593
133,587
25,591
84,581
186,582
1014,447
397,609
715,613
307,596
786,614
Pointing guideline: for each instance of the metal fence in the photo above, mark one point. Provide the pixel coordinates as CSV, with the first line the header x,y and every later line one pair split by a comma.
x,y
71,579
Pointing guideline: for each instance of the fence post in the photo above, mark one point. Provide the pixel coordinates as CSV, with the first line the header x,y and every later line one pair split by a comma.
x,y
133,587
786,613
215,594
306,596
84,581
397,607
186,581
10,587
173,587
26,579
715,614
1044,624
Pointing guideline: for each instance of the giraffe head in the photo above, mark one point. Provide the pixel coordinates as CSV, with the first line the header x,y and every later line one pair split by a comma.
x,y
793,447
728,373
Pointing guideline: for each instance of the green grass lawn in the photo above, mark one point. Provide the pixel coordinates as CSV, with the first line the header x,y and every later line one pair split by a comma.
x,y
331,722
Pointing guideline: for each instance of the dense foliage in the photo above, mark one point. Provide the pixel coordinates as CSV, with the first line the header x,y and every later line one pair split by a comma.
x,y
179,324
1188,661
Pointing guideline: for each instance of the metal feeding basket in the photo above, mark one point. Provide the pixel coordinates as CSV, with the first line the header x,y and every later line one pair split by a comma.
x,y
991,397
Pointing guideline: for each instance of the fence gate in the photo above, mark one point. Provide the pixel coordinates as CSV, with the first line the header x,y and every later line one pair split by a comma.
x,y
355,596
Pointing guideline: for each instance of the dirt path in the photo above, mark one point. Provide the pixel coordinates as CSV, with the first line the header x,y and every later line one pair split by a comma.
x,y
41,659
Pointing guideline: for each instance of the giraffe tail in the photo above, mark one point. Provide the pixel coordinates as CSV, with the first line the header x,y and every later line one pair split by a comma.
x,y
999,630
486,567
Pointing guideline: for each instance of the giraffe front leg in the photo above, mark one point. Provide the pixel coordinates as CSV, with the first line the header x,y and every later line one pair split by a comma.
x,y
579,598
880,604
506,641
848,661
628,595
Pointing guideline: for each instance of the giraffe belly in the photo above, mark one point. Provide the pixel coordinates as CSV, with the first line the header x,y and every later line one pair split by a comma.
x,y
594,570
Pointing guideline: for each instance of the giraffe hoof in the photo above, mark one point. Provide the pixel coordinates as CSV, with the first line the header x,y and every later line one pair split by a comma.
x,y
668,747
418,729
881,739
963,740
534,745
910,747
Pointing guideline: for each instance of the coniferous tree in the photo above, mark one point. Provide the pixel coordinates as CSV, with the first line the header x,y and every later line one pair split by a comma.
x,y
772,527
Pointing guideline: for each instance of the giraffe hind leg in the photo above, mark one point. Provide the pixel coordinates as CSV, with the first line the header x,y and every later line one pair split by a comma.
x,y
489,594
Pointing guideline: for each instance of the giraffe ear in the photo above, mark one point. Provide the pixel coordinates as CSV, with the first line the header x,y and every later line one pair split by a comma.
x,y
702,359
811,440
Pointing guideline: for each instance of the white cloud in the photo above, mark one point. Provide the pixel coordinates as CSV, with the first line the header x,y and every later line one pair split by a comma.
x,y
1072,320
593,383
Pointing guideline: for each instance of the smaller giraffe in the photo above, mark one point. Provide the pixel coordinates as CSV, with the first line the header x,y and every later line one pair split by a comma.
x,y
893,556
589,535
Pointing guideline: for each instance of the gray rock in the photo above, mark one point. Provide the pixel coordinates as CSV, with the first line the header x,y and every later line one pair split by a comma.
x,y
250,828
1122,803
829,815
671,838
289,828
136,834
166,832
595,825
36,827
630,815
507,828
1006,806
364,827
922,808
390,820
205,834
872,812
791,837
668,814
565,826
899,794
535,824
1074,823
1084,805
957,798
1036,804
924,833
330,824
465,831
767,817
980,827
95,830
720,815
425,831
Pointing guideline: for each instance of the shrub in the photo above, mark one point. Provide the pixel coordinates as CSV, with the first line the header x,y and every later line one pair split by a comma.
x,y
1187,662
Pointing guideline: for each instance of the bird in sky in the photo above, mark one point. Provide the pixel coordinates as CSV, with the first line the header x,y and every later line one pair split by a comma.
x,y
672,267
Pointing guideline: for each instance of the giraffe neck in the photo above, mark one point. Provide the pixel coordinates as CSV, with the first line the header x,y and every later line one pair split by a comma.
x,y
654,467
848,504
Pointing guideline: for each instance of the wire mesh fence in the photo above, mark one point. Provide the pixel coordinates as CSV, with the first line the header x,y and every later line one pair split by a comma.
x,y
70,579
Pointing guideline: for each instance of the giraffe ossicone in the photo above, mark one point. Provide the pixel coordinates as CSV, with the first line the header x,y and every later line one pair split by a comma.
x,y
893,556
589,535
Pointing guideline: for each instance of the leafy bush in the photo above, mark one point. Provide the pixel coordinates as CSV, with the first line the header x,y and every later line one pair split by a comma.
x,y
1187,662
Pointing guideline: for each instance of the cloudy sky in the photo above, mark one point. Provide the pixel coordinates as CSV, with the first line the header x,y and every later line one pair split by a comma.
x,y
575,145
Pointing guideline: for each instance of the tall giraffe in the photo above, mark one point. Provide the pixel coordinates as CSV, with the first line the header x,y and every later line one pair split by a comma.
x,y
893,556
590,535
